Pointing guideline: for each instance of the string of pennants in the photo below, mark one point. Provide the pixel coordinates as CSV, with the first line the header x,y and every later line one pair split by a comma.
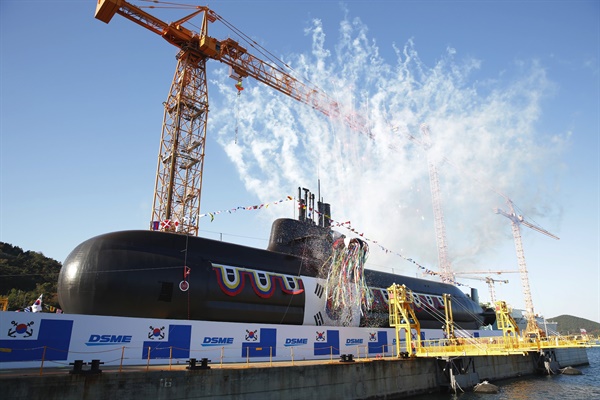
x,y
345,225
388,251
349,227
156,225
247,208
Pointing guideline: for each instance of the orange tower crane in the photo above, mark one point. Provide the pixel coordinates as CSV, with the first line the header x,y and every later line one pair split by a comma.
x,y
181,156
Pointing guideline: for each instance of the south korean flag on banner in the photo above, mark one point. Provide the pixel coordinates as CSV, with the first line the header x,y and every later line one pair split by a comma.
x,y
37,305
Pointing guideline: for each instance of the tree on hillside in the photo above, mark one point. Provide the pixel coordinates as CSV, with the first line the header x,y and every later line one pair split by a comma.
x,y
27,274
570,325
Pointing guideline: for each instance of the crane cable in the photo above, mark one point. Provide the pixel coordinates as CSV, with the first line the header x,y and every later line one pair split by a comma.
x,y
239,87
458,329
237,116
275,62
167,4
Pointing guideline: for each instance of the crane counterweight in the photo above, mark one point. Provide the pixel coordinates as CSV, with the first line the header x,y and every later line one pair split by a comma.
x,y
106,9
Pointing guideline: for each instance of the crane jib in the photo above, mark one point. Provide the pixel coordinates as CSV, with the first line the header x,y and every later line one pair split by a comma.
x,y
177,190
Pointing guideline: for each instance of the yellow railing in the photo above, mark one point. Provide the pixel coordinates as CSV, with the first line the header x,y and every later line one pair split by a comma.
x,y
498,345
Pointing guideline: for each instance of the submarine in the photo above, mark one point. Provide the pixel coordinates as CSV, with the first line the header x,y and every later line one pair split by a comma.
x,y
157,274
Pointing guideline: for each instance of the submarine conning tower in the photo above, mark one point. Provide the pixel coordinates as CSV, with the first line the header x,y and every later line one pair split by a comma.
x,y
309,236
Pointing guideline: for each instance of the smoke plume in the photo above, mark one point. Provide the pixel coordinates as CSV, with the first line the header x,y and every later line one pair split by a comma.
x,y
483,134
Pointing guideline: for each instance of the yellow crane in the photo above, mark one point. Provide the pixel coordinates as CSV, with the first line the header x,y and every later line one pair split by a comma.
x,y
402,317
178,185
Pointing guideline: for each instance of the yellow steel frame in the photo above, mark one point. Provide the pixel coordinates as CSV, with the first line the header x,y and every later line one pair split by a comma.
x,y
506,323
449,325
497,346
402,317
511,341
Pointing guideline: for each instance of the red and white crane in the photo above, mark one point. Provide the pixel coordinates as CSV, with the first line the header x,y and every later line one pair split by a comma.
x,y
438,215
516,221
489,280
444,265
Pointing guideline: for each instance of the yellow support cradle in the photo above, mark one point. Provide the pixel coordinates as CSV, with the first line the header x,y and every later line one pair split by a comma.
x,y
402,317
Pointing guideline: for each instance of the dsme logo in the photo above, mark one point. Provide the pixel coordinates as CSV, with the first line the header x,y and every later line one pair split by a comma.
x,y
352,342
217,341
107,340
295,342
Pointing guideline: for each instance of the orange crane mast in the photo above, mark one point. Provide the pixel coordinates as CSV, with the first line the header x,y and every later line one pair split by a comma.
x,y
178,185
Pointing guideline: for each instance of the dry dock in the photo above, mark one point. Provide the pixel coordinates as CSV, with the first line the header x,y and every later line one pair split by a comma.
x,y
378,378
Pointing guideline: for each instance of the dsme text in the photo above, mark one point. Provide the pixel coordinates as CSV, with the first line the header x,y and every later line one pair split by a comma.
x,y
217,340
353,341
296,342
109,339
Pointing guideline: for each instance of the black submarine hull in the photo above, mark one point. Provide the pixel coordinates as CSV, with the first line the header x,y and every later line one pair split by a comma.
x,y
153,274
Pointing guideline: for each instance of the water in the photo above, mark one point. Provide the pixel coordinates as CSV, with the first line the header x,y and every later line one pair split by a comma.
x,y
553,387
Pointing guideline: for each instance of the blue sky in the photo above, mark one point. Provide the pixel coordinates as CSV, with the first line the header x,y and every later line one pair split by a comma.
x,y
510,91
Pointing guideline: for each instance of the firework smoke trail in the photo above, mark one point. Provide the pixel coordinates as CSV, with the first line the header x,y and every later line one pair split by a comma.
x,y
381,185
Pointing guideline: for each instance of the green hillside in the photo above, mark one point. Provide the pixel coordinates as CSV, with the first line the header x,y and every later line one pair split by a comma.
x,y
568,324
25,275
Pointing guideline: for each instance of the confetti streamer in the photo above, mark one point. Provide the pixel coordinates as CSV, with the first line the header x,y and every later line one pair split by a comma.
x,y
346,288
